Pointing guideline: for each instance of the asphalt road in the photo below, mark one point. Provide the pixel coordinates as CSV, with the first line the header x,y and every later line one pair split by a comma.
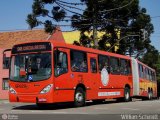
x,y
110,109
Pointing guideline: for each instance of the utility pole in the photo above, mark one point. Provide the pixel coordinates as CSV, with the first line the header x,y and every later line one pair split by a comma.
x,y
95,24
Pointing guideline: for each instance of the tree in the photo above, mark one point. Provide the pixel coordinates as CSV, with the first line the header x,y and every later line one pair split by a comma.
x,y
151,57
158,68
158,74
109,15
98,15
47,13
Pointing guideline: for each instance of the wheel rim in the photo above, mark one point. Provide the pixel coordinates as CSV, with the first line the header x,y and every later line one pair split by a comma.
x,y
150,95
127,96
79,97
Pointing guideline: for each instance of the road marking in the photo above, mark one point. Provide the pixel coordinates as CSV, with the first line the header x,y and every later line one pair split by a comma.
x,y
129,109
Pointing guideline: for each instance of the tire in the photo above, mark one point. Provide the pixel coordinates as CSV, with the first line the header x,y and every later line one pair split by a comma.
x,y
79,97
127,97
41,105
150,95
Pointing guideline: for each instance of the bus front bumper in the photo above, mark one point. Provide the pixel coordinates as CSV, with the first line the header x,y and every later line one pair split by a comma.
x,y
28,98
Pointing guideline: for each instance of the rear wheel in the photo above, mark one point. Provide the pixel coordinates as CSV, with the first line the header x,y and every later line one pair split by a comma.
x,y
150,95
127,97
79,97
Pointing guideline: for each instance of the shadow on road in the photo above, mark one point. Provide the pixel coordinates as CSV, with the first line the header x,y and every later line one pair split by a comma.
x,y
58,106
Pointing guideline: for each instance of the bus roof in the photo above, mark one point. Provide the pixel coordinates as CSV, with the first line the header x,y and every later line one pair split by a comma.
x,y
80,48
145,65
91,50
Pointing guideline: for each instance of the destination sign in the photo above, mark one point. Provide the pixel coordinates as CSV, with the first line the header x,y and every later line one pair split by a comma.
x,y
31,47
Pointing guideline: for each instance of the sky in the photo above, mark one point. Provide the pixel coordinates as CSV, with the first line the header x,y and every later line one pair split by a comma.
x,y
13,14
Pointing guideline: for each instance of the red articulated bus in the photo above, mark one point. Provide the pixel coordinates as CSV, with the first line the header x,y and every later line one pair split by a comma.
x,y
51,72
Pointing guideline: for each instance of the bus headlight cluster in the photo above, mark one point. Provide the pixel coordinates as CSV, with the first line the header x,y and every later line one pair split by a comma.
x,y
46,89
11,90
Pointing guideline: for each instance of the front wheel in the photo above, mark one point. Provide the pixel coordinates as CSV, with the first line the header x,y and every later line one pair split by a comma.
x,y
41,105
79,97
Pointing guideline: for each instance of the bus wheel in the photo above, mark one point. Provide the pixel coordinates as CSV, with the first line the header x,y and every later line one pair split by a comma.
x,y
79,97
41,105
127,97
150,95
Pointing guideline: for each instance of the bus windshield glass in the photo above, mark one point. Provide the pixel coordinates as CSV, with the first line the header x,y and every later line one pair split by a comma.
x,y
30,67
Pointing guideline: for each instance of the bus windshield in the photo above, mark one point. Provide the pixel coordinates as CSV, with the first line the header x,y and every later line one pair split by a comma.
x,y
30,67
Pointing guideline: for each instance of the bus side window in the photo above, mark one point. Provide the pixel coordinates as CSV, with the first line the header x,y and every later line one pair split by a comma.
x,y
78,61
60,63
103,61
93,65
124,67
114,65
141,71
146,73
150,77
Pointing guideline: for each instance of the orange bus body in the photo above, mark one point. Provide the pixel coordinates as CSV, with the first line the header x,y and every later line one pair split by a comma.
x,y
62,87
147,84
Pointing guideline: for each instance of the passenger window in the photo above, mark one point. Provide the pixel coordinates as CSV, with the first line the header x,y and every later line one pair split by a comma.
x,y
78,61
93,65
146,74
60,63
114,63
150,77
103,61
141,71
124,67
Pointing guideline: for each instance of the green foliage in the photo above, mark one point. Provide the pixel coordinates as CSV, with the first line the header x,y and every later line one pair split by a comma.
x,y
40,10
104,16
158,68
32,21
110,15
151,57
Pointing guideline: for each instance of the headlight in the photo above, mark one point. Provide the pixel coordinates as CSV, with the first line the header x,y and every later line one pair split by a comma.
x,y
46,89
11,90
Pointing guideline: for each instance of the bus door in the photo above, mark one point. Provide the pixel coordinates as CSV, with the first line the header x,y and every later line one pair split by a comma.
x,y
93,81
63,83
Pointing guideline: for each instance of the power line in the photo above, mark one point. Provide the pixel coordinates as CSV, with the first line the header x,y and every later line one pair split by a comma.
x,y
67,9
71,7
118,7
71,3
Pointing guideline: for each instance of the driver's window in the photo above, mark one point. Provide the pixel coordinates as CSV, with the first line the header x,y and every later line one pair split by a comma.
x,y
60,63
